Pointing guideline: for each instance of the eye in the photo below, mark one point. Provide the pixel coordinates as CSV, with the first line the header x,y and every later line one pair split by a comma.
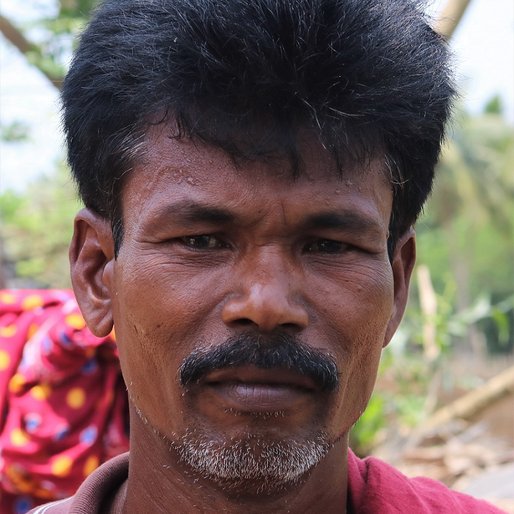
x,y
325,246
203,242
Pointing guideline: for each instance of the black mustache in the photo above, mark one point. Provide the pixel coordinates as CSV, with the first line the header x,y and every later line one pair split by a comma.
x,y
279,350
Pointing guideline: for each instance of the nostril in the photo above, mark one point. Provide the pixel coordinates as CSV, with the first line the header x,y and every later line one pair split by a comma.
x,y
244,322
293,327
265,307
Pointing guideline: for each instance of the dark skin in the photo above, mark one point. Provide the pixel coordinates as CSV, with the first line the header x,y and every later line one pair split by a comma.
x,y
211,250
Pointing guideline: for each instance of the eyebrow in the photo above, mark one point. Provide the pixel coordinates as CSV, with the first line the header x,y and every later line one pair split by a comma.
x,y
191,212
345,221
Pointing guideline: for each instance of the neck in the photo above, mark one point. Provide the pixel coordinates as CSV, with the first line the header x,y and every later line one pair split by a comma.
x,y
158,482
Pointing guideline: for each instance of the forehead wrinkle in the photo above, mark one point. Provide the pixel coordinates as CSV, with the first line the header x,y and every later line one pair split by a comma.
x,y
176,162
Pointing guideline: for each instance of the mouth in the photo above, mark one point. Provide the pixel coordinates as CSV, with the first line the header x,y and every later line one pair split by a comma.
x,y
253,390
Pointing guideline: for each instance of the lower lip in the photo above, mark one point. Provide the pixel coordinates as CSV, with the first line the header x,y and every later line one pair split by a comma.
x,y
249,398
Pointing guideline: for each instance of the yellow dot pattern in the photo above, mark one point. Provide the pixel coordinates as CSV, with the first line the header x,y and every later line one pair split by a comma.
x,y
41,392
16,383
32,301
7,298
76,397
8,331
73,397
5,360
19,437
61,466
91,464
75,321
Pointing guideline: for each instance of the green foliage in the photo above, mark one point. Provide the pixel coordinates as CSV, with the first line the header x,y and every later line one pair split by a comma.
x,y
406,376
71,18
494,106
14,132
37,227
52,42
475,180
466,239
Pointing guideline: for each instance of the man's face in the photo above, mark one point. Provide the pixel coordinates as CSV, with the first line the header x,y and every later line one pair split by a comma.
x,y
216,254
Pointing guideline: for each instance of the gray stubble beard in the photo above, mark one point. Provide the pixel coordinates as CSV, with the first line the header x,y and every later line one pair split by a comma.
x,y
251,463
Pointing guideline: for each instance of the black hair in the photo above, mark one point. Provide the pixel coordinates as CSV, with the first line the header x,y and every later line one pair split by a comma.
x,y
370,78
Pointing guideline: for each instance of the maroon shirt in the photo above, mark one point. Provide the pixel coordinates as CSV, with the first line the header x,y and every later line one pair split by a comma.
x,y
374,487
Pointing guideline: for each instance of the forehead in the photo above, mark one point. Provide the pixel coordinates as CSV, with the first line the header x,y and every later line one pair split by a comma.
x,y
172,169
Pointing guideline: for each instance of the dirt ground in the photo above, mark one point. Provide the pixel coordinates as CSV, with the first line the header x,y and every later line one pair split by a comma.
x,y
474,455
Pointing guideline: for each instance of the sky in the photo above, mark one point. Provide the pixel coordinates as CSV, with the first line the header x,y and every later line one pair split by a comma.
x,y
484,56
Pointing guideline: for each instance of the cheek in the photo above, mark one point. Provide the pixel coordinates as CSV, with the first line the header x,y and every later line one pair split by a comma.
x,y
149,344
162,303
150,357
358,376
372,306
363,371
147,365
159,318
357,306
357,319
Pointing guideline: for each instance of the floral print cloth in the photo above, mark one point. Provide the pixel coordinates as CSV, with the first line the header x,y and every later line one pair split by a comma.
x,y
63,403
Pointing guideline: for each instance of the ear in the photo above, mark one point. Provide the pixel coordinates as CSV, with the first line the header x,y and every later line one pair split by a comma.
x,y
402,263
91,262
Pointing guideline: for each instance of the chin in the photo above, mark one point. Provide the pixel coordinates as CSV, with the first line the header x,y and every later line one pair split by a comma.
x,y
253,464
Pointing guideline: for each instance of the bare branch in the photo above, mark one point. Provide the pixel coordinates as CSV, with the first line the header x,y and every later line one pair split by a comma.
x,y
26,47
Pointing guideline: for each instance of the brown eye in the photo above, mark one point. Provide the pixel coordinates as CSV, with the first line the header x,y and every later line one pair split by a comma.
x,y
325,246
203,242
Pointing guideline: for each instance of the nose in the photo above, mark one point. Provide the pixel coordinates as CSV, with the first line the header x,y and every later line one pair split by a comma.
x,y
266,300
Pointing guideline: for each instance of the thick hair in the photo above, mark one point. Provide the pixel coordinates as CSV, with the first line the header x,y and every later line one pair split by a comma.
x,y
370,78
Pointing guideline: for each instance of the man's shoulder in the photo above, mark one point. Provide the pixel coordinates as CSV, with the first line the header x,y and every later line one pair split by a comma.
x,y
375,486
97,492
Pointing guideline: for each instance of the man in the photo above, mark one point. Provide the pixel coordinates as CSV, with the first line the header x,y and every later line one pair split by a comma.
x,y
251,172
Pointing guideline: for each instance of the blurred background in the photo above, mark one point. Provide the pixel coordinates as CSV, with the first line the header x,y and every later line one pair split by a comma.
x,y
444,402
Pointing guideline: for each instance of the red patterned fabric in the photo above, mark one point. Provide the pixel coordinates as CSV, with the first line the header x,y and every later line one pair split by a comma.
x,y
63,404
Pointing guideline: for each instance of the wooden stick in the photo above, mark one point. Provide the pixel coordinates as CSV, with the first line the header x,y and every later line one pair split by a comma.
x,y
450,17
473,402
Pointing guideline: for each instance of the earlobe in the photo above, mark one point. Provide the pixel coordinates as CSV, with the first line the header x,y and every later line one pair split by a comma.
x,y
402,264
91,263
